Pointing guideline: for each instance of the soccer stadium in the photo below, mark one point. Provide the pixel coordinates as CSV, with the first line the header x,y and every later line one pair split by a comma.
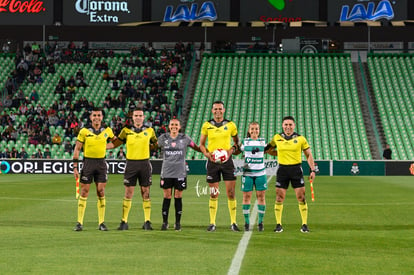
x,y
343,69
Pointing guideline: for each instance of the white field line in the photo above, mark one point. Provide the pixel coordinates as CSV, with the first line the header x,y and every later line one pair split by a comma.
x,y
244,242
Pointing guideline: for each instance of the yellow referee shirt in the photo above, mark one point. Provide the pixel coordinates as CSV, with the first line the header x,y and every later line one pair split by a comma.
x,y
219,135
289,150
137,142
94,142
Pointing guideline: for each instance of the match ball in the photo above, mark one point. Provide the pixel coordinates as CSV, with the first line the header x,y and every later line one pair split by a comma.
x,y
220,156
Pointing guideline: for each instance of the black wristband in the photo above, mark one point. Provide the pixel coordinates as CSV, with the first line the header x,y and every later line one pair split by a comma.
x,y
314,171
75,160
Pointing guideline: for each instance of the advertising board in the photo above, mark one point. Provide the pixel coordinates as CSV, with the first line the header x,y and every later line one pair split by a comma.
x,y
101,13
29,12
193,10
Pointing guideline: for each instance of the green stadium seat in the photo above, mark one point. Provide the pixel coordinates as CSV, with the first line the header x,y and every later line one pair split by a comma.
x,y
310,88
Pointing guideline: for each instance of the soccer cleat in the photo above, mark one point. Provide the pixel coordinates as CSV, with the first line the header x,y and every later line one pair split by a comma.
x,y
234,227
304,228
246,227
211,228
123,226
164,226
260,227
78,227
102,227
177,227
147,225
279,228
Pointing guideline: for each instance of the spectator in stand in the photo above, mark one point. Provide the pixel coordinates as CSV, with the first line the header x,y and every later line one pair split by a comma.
x,y
56,139
35,51
105,76
39,154
10,85
110,155
22,109
71,81
71,88
8,102
14,154
79,74
119,75
47,154
37,71
44,137
34,96
121,154
82,83
51,68
68,147
62,81
23,154
387,152
115,85
62,120
174,85
6,154
53,119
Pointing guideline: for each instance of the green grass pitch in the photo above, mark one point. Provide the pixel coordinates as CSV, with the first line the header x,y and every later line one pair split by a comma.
x,y
359,225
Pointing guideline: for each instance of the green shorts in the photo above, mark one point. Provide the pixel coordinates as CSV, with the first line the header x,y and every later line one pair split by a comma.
x,y
259,183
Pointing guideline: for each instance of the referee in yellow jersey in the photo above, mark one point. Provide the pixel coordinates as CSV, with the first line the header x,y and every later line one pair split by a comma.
x,y
93,139
290,145
138,139
220,132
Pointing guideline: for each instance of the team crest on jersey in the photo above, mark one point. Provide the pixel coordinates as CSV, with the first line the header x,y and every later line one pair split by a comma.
x,y
295,141
173,144
145,134
225,128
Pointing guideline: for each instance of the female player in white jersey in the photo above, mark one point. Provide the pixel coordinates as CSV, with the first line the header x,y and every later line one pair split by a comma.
x,y
254,174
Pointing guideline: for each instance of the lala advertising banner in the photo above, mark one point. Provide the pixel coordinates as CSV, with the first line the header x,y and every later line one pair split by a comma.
x,y
190,10
366,10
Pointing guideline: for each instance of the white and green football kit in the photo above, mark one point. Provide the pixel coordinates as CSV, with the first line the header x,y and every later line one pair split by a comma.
x,y
254,173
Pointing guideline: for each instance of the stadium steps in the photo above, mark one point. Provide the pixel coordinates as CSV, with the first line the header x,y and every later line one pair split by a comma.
x,y
374,105
195,71
365,108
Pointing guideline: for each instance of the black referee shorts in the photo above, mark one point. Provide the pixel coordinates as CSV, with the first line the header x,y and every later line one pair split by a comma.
x,y
289,174
93,170
215,171
140,170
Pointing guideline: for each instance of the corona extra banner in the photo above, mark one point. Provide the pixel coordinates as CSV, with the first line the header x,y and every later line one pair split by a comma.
x,y
370,10
279,10
190,10
29,12
101,13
